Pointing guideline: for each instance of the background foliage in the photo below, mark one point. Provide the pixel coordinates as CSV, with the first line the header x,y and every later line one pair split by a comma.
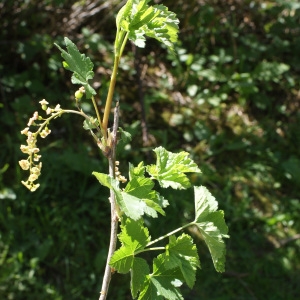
x,y
230,96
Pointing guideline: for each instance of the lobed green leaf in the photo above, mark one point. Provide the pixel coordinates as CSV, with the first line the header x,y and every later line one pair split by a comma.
x,y
134,236
122,260
137,198
80,65
182,253
138,171
212,226
142,188
124,12
162,283
140,20
133,207
170,168
139,270
125,136
90,124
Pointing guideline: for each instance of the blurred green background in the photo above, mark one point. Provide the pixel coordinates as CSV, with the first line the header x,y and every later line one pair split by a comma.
x,y
230,97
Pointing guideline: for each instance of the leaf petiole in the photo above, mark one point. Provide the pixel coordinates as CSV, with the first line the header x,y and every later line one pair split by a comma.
x,y
169,234
150,249
103,132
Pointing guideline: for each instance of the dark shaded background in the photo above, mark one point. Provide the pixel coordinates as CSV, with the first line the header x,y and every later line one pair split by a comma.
x,y
230,97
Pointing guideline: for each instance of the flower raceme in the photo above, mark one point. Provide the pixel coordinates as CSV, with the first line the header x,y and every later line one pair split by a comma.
x,y
32,163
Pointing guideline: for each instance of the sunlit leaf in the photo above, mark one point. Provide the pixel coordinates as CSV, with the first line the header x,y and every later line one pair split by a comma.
x,y
163,282
137,198
80,65
140,20
170,168
134,236
139,271
90,124
182,253
142,189
211,225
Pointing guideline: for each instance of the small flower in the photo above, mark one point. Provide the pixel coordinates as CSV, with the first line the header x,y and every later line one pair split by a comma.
x,y
36,171
31,139
44,104
32,187
45,132
24,164
49,111
34,118
57,108
26,184
33,177
25,149
36,157
30,122
34,150
25,131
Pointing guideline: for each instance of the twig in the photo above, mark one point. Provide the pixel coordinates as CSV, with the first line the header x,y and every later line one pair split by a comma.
x,y
113,205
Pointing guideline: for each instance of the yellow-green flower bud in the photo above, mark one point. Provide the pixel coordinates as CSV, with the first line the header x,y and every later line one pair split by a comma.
x,y
78,94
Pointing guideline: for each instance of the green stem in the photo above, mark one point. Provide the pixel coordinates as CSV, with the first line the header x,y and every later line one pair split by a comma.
x,y
61,112
120,42
110,94
55,115
99,118
169,234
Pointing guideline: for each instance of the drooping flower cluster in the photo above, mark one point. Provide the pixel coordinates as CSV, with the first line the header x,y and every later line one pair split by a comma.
x,y
119,177
32,163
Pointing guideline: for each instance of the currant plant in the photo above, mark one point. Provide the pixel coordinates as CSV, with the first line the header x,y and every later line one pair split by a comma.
x,y
135,197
